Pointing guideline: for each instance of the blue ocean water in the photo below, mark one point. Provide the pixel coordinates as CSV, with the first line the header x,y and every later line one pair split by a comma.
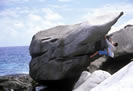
x,y
14,60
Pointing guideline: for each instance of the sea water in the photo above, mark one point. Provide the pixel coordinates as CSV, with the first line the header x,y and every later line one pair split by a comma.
x,y
14,60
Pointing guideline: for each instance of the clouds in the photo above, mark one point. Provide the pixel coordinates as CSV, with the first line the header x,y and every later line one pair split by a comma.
x,y
109,8
51,15
125,7
117,28
13,2
21,19
8,13
64,0
20,24
34,17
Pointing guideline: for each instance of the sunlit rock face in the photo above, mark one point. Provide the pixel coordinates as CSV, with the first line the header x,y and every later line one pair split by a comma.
x,y
88,81
120,81
124,38
123,56
63,52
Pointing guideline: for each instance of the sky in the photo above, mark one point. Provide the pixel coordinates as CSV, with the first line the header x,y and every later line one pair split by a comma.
x,y
21,19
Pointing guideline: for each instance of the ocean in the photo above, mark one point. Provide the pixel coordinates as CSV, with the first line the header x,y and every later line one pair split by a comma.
x,y
14,60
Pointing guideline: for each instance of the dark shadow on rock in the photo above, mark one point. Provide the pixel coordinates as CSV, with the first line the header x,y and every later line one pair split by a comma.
x,y
59,85
112,65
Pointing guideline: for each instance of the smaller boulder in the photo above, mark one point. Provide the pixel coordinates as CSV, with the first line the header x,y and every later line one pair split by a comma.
x,y
120,81
85,75
90,81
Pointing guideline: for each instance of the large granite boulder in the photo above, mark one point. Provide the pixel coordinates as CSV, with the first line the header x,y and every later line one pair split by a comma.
x,y
63,52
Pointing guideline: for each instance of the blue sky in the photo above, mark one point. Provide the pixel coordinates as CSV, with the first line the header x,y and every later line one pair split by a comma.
x,y
21,19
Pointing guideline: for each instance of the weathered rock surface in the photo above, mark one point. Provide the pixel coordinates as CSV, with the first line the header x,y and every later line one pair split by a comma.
x,y
18,82
88,81
120,81
124,38
97,64
62,52
84,76
123,52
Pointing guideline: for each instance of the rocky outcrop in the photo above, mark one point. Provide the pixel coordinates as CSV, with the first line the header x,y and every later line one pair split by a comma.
x,y
62,52
18,82
125,40
97,64
123,53
88,81
120,81
84,76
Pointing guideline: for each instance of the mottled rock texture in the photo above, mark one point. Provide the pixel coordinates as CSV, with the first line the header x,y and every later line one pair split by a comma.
x,y
17,82
62,53
123,53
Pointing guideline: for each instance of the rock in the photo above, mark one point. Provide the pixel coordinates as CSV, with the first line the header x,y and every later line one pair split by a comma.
x,y
18,82
40,88
96,65
125,40
123,52
84,76
90,81
62,52
120,81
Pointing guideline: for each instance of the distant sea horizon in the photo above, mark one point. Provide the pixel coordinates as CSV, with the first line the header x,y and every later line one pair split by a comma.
x,y
14,60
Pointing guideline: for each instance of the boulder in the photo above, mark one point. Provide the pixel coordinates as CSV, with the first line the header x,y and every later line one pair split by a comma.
x,y
123,53
17,82
96,64
84,76
86,81
63,52
120,81
124,39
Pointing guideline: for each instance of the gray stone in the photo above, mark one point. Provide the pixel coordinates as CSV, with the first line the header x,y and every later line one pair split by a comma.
x,y
63,51
96,65
123,53
124,38
18,82
122,80
84,76
91,81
